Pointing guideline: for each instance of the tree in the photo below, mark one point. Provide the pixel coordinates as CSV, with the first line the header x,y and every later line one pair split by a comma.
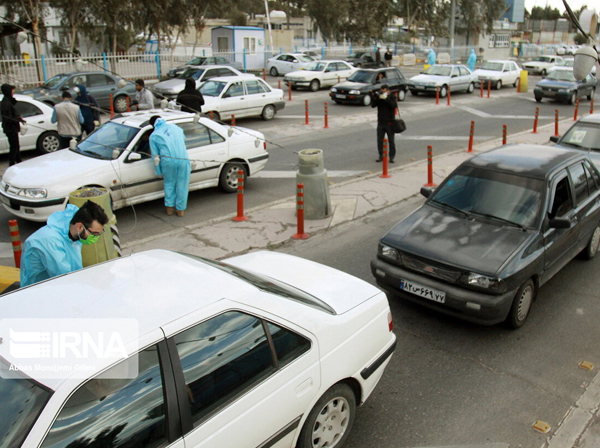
x,y
547,13
74,13
431,16
114,17
478,16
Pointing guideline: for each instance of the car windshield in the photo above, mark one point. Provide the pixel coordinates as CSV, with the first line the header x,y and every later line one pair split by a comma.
x,y
438,70
542,59
478,192
193,73
582,135
562,75
316,66
22,402
357,55
107,139
362,76
212,88
303,58
494,66
54,82
197,61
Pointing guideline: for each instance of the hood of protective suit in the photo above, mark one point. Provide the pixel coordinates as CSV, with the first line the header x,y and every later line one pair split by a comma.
x,y
190,84
82,96
62,220
7,89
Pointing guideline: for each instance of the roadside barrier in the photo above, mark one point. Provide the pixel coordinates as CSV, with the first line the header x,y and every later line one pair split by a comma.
x,y
471,134
232,120
448,96
16,241
240,198
300,235
518,85
556,134
279,83
111,105
535,121
385,174
326,115
429,167
504,134
306,111
489,88
437,95
481,89
128,105
576,109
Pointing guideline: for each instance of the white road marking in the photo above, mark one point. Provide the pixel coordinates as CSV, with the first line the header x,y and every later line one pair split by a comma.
x,y
506,117
290,174
444,137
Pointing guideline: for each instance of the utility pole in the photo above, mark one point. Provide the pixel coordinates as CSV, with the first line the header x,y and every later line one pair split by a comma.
x,y
269,26
452,19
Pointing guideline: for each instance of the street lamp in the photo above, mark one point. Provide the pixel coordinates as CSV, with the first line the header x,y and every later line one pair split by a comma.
x,y
584,59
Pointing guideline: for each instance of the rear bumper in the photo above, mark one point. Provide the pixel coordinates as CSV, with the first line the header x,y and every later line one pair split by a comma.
x,y
279,105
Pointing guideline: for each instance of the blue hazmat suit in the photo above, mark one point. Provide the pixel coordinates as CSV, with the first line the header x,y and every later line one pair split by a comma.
x,y
50,251
472,59
168,142
431,57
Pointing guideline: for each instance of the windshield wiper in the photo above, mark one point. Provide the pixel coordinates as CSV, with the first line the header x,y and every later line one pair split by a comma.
x,y
456,209
91,153
507,221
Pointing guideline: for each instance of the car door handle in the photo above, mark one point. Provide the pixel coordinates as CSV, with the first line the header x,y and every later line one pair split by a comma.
x,y
41,122
304,387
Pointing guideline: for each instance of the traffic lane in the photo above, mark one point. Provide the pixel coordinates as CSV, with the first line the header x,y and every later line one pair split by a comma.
x,y
453,383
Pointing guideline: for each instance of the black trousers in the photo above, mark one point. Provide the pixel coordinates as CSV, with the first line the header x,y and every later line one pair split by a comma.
x,y
382,130
14,152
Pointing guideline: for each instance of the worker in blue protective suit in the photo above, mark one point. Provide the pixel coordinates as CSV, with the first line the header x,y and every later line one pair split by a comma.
x,y
431,57
167,142
472,59
55,249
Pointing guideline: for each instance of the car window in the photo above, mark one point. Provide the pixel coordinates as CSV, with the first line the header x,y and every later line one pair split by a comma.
x,y
212,73
288,345
113,412
99,80
215,137
283,57
235,89
582,135
212,88
196,135
561,202
27,109
107,139
580,182
392,76
594,183
74,80
255,87
142,146
225,72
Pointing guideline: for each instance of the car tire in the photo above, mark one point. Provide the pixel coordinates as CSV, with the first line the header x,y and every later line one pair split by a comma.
x,y
366,101
516,82
48,142
538,99
330,420
120,104
592,246
215,116
498,85
572,98
591,94
543,73
471,88
414,92
401,95
443,91
521,305
228,179
268,112
273,71
315,85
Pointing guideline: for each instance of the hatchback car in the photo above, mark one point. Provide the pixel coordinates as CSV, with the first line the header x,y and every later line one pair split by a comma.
x,y
287,62
170,89
498,73
541,64
361,84
261,350
457,78
242,96
364,59
319,74
204,60
117,157
498,228
41,133
561,85
98,84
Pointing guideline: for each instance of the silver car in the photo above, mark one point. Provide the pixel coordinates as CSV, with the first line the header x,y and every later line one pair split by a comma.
x,y
170,89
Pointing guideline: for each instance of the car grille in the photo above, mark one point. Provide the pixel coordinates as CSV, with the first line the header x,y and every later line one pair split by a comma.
x,y
10,189
431,270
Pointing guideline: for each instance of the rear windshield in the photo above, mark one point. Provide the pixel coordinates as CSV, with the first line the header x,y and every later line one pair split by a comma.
x,y
193,73
22,400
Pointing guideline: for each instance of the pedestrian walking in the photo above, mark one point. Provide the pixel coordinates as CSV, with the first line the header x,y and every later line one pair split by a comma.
x,y
472,59
386,105
378,57
143,98
55,249
388,57
69,119
11,122
89,109
167,142
190,98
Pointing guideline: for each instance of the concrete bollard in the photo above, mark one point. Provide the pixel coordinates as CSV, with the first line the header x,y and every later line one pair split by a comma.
x,y
311,173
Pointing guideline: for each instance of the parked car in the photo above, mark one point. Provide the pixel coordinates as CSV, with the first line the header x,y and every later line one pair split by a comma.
x,y
443,76
98,84
265,349
541,64
41,133
117,157
365,59
315,54
204,60
359,86
319,74
495,231
242,96
170,88
287,62
583,135
569,62
498,73
561,85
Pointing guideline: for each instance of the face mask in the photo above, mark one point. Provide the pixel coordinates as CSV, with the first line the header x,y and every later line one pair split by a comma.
x,y
91,239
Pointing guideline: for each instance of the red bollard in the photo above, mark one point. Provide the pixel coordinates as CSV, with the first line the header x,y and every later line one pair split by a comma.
x,y
211,115
429,167
326,114
449,94
264,74
385,174
556,123
489,88
306,111
519,85
16,241
437,95
290,92
471,134
279,83
592,106
481,89
232,120
240,198
504,134
300,215
535,121
576,109
111,105
128,107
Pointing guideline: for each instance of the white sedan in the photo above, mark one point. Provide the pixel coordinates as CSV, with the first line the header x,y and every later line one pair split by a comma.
x,y
242,96
41,132
163,349
287,62
320,74
443,77
498,73
117,157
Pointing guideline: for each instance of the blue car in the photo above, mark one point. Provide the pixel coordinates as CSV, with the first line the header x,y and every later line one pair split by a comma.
x,y
561,85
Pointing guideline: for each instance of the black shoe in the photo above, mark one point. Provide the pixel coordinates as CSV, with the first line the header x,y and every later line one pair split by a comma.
x,y
379,160
392,161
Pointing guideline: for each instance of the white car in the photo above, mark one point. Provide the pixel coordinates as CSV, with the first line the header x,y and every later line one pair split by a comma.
x,y
170,88
541,64
499,73
568,62
443,76
41,132
117,157
242,96
261,350
320,74
287,62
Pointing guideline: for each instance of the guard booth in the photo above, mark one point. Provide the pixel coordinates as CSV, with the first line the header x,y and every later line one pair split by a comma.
x,y
245,44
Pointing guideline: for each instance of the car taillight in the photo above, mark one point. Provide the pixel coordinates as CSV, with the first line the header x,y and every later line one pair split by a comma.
x,y
390,321
265,145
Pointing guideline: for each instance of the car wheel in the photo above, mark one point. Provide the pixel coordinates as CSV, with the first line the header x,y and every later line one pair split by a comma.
x,y
543,73
268,112
538,98
214,116
228,179
315,85
572,98
48,142
401,95
591,94
443,91
120,104
330,420
273,71
592,246
414,92
366,100
498,85
521,304
516,82
471,88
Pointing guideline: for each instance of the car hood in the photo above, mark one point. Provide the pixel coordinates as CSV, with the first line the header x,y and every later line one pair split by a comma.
x,y
171,84
538,64
556,84
303,73
339,290
353,85
453,240
430,79
38,92
488,73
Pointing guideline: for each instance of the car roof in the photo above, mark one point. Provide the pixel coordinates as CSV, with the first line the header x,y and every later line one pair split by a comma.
x,y
594,118
376,70
140,119
526,160
97,72
245,76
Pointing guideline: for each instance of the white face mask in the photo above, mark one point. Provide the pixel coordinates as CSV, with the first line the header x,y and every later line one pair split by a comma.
x,y
76,89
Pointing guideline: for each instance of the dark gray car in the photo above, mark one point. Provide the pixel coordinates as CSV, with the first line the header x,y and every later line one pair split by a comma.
x,y
204,60
364,59
498,228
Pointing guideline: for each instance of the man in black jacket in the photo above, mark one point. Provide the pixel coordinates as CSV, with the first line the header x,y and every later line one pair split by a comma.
x,y
386,105
190,98
11,122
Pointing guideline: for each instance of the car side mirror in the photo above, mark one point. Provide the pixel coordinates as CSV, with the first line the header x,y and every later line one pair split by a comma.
x,y
426,191
554,138
560,223
134,156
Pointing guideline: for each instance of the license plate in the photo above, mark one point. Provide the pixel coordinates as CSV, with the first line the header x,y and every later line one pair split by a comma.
x,y
423,291
340,96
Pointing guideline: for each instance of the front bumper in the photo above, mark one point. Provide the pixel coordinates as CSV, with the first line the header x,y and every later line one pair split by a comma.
x,y
295,83
533,70
422,89
32,210
553,94
346,98
472,306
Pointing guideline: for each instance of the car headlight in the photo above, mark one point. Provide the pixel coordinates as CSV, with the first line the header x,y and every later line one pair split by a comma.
x,y
484,282
388,252
333,90
563,90
34,193
354,92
